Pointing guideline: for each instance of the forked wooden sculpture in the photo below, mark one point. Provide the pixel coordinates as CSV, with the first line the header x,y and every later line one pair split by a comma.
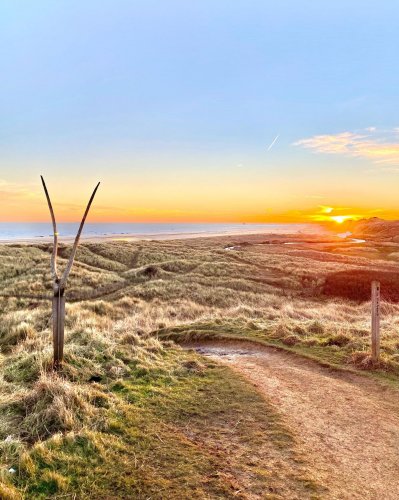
x,y
60,281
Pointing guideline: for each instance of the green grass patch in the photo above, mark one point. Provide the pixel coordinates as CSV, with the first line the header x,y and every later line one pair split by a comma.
x,y
193,431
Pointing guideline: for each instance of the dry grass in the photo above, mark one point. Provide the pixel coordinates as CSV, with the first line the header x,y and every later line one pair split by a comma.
x,y
133,293
156,285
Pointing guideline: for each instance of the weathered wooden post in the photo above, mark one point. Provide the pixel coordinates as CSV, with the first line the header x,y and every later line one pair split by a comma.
x,y
375,320
58,312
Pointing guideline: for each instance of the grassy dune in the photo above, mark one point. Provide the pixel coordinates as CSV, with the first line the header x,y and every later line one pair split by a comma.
x,y
133,413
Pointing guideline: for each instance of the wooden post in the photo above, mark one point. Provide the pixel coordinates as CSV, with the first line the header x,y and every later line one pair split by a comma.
x,y
375,320
58,327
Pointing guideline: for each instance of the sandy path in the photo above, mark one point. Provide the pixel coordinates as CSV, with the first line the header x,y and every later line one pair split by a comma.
x,y
347,425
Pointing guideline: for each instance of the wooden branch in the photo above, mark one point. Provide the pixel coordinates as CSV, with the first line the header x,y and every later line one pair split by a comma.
x,y
55,233
58,328
59,283
68,268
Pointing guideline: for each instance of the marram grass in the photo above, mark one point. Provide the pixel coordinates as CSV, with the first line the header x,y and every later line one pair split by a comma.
x,y
133,415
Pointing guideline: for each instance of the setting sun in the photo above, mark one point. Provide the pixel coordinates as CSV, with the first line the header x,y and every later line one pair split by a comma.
x,y
324,215
339,219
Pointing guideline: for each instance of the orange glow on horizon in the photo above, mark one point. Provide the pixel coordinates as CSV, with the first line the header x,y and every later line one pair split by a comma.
x,y
99,215
20,203
338,215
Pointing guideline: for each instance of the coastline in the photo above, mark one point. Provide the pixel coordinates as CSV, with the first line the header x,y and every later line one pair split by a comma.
x,y
152,237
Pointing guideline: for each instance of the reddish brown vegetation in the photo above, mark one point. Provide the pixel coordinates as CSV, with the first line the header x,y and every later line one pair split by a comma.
x,y
356,284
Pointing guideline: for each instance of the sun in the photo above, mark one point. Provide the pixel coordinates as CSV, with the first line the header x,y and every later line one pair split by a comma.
x,y
325,215
339,219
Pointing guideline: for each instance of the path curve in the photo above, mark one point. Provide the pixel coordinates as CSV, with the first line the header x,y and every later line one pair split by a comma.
x,y
347,425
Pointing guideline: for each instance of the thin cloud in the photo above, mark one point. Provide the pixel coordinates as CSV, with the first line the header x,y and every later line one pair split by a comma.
x,y
326,210
315,196
273,142
13,191
380,147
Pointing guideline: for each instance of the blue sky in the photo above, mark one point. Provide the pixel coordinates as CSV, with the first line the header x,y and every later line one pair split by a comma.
x,y
187,96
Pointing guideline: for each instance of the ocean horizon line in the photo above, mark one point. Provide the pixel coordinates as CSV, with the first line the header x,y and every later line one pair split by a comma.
x,y
38,230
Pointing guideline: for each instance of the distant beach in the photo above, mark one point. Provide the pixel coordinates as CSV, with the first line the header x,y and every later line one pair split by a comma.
x,y
36,232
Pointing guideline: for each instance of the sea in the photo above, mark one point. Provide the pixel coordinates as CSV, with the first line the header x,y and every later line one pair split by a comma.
x,y
36,230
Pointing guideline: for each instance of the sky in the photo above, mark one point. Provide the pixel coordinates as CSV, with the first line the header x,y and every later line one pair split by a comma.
x,y
202,111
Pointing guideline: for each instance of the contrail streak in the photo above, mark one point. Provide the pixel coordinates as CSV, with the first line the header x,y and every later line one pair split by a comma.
x,y
273,143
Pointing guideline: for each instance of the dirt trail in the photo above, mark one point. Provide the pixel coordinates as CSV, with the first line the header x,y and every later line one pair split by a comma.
x,y
347,425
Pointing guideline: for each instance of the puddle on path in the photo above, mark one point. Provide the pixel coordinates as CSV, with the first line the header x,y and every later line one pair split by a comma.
x,y
226,352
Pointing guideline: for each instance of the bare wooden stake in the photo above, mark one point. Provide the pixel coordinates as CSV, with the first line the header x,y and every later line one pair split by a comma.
x,y
58,329
59,283
375,320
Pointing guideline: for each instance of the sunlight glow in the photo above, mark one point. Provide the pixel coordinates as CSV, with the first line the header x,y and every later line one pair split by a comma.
x,y
339,219
324,215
